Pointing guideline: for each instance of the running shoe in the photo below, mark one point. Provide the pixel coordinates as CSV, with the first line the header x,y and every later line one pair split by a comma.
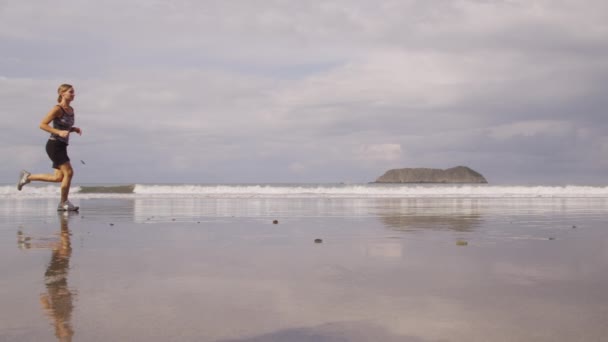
x,y
67,206
23,179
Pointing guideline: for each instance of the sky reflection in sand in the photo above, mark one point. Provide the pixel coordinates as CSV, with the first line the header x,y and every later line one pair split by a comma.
x,y
387,270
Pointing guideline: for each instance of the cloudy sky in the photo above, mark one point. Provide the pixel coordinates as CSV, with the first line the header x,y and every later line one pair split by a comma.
x,y
243,91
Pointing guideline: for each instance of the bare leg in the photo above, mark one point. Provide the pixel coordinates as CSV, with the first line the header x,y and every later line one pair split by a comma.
x,y
63,175
47,177
68,172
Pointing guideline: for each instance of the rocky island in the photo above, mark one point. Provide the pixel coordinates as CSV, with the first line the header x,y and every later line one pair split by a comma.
x,y
459,174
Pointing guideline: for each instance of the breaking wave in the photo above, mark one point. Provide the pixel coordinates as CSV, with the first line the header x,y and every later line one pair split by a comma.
x,y
312,191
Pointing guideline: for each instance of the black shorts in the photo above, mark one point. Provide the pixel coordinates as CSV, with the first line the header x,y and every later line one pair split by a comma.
x,y
58,152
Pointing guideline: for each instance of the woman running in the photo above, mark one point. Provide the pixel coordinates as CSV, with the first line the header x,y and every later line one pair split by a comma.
x,y
62,116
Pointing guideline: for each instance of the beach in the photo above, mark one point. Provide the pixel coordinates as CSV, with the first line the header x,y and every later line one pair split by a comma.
x,y
195,268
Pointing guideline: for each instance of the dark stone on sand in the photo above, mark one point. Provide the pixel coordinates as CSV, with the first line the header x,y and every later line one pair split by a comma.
x,y
111,224
275,221
459,174
318,240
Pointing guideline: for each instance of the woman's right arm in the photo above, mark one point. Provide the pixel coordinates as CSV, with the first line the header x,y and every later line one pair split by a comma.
x,y
45,123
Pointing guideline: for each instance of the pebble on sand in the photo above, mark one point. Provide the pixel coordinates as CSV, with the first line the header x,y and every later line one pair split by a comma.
x,y
318,240
461,243
275,221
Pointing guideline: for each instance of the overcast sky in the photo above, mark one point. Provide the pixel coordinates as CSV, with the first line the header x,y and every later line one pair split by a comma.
x,y
309,91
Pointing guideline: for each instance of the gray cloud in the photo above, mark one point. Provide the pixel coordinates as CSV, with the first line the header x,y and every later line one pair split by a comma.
x,y
200,91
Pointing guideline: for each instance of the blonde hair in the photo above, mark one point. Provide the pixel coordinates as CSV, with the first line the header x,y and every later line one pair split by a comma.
x,y
62,88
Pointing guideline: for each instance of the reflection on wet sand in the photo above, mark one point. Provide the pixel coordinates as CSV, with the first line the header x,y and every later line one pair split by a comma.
x,y
57,302
411,214
244,279
357,331
402,214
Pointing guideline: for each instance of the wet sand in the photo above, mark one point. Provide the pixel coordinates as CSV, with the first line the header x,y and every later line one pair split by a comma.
x,y
171,269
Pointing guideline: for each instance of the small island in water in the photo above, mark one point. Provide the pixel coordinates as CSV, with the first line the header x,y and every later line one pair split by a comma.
x,y
458,174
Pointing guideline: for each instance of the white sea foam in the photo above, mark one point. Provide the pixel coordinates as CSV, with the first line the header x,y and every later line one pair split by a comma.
x,y
373,191
32,191
324,191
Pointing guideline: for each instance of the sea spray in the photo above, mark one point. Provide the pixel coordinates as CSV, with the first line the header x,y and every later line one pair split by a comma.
x,y
312,191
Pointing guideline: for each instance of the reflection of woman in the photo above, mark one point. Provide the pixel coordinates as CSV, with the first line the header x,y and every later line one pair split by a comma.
x,y
62,117
57,302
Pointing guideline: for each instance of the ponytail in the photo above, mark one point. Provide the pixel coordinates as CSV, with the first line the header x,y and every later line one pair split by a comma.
x,y
61,89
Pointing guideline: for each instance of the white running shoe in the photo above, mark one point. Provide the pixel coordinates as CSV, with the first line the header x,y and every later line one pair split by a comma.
x,y
67,206
23,179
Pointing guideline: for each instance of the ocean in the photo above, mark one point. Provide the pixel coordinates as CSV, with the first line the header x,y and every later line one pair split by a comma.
x,y
371,190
